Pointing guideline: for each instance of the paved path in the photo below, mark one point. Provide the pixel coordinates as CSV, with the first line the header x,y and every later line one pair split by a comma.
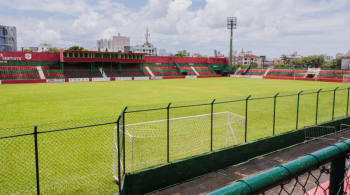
x,y
230,175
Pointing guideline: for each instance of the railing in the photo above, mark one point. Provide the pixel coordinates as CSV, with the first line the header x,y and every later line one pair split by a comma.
x,y
247,69
301,176
178,68
54,62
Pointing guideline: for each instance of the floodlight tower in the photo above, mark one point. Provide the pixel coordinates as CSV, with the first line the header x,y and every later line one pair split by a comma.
x,y
231,24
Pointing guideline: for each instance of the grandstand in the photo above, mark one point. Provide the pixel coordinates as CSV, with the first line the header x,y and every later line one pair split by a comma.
x,y
18,72
87,64
29,66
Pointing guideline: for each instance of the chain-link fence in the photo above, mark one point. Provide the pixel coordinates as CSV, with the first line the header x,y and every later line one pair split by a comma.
x,y
157,134
80,156
74,157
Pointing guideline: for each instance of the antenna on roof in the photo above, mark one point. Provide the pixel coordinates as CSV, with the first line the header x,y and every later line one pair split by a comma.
x,y
147,35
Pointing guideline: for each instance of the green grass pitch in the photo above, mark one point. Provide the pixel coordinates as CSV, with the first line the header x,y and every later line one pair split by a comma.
x,y
81,161
30,104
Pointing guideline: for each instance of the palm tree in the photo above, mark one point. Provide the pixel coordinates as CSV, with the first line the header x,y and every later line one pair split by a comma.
x,y
285,60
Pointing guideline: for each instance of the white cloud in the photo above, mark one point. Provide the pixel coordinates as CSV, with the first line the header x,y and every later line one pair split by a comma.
x,y
43,35
267,27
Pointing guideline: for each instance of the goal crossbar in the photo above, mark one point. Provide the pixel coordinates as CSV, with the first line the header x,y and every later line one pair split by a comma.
x,y
346,78
146,142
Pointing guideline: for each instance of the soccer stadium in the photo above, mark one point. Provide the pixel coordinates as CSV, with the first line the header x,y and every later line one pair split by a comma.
x,y
122,118
81,122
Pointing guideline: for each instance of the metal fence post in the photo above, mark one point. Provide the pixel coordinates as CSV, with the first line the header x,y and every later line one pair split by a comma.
x,y
246,119
124,140
274,113
336,185
298,109
36,159
334,102
118,137
211,128
347,104
318,94
168,134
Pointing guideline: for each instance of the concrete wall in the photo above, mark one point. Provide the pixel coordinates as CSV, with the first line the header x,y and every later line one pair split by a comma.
x,y
345,63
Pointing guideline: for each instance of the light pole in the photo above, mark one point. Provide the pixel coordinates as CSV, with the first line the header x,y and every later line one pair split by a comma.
x,y
231,24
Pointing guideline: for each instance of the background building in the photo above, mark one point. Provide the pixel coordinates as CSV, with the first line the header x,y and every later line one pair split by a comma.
x,y
249,59
348,53
345,62
162,52
147,47
8,38
327,58
188,54
119,43
44,47
33,49
104,44
339,55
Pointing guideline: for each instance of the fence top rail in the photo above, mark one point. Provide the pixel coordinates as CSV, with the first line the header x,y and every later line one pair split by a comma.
x,y
54,127
161,106
281,173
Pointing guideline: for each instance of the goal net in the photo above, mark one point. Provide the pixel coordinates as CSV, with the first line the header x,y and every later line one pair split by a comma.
x,y
346,78
146,143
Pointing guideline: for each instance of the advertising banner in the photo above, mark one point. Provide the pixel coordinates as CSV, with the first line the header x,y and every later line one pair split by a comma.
x,y
157,78
123,78
246,76
79,80
191,77
55,80
141,78
101,79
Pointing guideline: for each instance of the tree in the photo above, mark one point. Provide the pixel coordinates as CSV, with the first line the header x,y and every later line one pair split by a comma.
x,y
52,50
28,50
336,63
180,54
254,65
285,59
77,48
313,61
297,62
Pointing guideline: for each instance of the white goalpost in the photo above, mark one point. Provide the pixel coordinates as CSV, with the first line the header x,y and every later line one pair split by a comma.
x,y
146,143
346,78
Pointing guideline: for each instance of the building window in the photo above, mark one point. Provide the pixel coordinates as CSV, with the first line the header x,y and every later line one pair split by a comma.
x,y
245,58
2,40
245,62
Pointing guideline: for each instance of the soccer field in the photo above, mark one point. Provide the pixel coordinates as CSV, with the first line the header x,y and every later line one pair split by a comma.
x,y
31,104
80,161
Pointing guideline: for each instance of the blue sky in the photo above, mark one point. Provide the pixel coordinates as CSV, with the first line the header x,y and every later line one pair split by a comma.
x,y
266,27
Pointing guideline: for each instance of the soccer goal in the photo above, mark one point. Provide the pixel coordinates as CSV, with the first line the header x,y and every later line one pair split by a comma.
x,y
146,143
346,78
